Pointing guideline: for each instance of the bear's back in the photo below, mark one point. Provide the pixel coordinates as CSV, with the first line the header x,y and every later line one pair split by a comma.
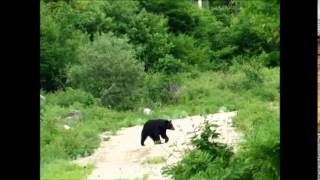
x,y
154,123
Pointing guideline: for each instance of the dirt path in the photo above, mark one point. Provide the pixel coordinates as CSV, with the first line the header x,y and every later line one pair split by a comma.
x,y
121,157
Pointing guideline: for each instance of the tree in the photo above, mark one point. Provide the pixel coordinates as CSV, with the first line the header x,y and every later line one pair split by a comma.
x,y
59,41
109,71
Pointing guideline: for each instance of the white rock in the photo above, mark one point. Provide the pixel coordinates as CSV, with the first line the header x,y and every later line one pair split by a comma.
x,y
66,126
42,97
222,109
73,115
147,111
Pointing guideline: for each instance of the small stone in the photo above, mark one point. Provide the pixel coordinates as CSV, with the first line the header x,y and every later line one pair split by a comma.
x,y
147,111
222,109
66,127
72,115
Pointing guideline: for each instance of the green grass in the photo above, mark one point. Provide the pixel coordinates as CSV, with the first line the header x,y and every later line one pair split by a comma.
x,y
64,170
201,94
155,160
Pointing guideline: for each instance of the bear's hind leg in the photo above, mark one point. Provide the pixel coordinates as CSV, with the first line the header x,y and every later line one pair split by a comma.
x,y
164,136
156,138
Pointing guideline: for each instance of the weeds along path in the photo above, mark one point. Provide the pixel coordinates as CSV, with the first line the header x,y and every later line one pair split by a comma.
x,y
122,156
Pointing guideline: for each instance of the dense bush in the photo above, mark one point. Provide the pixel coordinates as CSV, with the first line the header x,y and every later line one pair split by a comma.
x,y
59,41
69,96
180,20
210,38
207,152
271,59
90,17
163,88
190,52
222,13
147,31
109,71
171,65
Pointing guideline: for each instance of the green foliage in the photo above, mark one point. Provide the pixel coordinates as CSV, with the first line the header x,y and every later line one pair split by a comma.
x,y
256,28
207,151
61,169
222,13
147,31
258,158
250,31
122,14
58,44
271,59
204,141
248,75
103,48
70,96
163,88
258,118
188,50
210,38
171,65
101,73
201,94
91,18
178,12
242,35
150,34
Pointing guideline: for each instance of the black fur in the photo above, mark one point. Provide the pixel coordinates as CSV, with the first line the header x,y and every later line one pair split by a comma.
x,y
154,129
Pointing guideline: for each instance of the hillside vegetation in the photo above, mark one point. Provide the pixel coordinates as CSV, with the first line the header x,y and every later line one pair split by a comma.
x,y
110,59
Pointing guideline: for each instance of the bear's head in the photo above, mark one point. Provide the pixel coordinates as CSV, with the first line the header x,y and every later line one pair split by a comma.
x,y
169,125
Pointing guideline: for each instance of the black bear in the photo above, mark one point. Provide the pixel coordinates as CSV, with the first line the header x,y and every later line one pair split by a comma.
x,y
156,128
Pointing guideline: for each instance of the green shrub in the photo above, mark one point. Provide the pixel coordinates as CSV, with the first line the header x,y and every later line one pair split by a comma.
x,y
206,152
146,31
62,169
271,59
222,13
170,65
249,74
190,51
163,88
259,157
77,144
149,33
180,19
59,41
266,94
67,97
252,72
109,71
